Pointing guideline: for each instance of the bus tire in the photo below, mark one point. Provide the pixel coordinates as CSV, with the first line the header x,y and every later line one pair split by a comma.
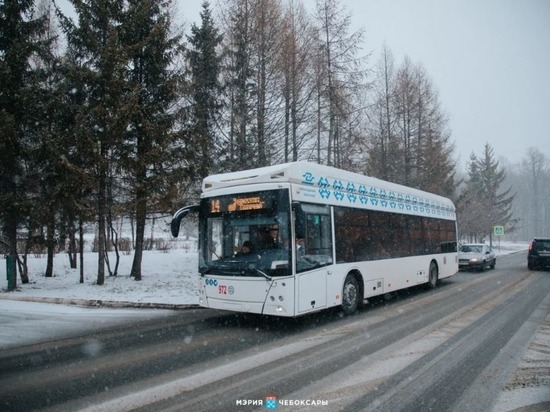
x,y
350,295
433,276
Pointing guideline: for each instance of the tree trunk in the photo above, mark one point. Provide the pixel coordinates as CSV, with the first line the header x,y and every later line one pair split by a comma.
x,y
81,248
287,126
11,234
72,246
141,214
114,242
101,227
50,245
23,268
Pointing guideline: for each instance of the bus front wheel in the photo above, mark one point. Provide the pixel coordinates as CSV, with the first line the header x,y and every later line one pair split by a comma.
x,y
350,295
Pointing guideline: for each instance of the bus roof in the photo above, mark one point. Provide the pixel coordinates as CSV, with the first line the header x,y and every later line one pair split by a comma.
x,y
328,185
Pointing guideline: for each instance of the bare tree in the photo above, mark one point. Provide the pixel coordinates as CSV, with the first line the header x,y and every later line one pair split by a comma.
x,y
383,145
535,210
267,26
296,60
409,139
343,67
240,83
435,162
406,110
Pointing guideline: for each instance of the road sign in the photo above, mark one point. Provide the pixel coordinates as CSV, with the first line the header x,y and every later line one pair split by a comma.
x,y
498,230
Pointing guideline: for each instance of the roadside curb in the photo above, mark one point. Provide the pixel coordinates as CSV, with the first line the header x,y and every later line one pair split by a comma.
x,y
99,303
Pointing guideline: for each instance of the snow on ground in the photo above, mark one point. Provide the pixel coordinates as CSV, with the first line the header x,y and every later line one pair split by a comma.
x,y
167,278
24,323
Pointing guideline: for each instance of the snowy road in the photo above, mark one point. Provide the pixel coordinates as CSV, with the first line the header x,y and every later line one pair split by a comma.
x,y
472,344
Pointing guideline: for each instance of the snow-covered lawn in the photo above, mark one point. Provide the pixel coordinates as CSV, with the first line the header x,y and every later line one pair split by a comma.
x,y
167,278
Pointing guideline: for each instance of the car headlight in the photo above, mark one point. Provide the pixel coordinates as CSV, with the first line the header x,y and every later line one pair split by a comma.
x,y
474,260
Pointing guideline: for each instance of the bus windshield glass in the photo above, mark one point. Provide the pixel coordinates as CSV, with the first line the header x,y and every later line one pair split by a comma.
x,y
246,234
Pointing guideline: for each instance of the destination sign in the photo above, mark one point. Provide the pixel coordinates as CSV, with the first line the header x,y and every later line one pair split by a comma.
x,y
241,204
249,203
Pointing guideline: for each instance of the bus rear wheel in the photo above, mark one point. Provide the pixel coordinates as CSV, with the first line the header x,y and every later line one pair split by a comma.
x,y
433,276
350,295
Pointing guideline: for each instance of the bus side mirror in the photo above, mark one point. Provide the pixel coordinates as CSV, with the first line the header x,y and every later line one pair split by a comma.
x,y
178,217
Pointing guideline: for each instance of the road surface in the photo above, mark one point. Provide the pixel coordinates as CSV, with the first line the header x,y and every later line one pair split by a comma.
x,y
479,342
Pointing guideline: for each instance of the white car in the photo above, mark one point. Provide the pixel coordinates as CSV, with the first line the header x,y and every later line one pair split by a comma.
x,y
476,256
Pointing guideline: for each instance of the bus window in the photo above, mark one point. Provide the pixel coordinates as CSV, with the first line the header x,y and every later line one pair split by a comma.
x,y
314,235
318,240
259,218
215,239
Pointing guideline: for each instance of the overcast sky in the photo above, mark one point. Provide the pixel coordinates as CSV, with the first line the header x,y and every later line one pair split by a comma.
x,y
489,59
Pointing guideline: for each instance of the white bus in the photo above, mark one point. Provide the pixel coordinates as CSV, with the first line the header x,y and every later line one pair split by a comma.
x,y
317,237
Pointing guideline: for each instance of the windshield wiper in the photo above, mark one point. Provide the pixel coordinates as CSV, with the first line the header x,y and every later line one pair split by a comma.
x,y
265,275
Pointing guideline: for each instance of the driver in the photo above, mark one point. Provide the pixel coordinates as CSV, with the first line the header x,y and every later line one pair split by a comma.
x,y
246,249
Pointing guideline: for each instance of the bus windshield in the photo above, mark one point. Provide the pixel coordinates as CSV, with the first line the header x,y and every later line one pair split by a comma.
x,y
246,234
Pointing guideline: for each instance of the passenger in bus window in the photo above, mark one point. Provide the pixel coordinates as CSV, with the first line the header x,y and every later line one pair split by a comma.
x,y
265,240
246,249
300,246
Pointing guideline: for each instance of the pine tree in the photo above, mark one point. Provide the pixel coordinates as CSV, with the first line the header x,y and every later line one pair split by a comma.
x,y
20,42
95,41
76,172
205,89
151,93
484,199
470,203
499,200
47,154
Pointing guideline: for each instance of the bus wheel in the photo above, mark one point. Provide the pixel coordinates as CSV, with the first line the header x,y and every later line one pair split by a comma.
x,y
433,276
350,295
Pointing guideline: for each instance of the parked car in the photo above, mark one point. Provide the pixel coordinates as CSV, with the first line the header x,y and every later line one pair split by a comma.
x,y
539,253
476,256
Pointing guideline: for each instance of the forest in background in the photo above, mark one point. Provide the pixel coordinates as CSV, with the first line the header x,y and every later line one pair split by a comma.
x,y
121,111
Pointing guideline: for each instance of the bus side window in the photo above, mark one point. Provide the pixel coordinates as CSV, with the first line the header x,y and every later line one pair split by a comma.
x,y
319,235
300,222
314,230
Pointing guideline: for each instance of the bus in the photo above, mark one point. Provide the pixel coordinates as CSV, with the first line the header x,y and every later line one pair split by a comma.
x,y
315,237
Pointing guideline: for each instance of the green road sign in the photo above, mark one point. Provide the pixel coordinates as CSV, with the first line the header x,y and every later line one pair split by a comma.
x,y
498,230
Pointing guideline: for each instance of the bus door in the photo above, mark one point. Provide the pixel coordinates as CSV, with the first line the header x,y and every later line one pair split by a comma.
x,y
313,257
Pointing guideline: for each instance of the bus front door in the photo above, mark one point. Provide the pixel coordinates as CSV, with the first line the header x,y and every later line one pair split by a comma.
x,y
312,290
